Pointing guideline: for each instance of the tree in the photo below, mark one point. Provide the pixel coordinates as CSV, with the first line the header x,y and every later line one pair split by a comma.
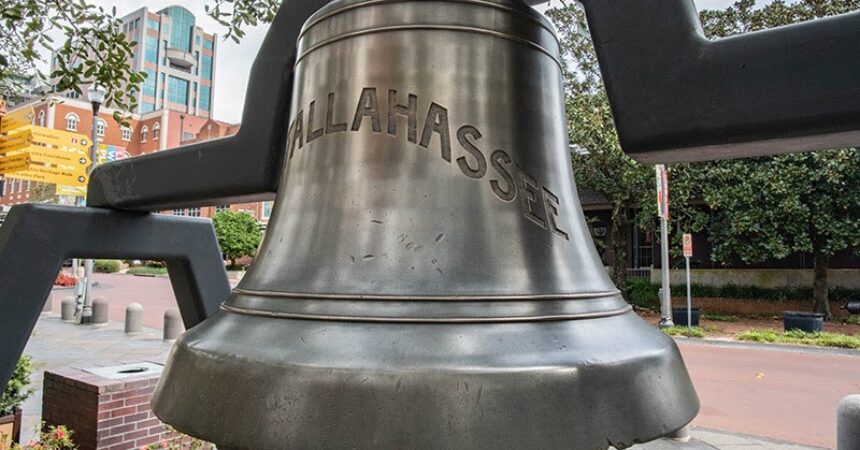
x,y
238,234
769,208
94,47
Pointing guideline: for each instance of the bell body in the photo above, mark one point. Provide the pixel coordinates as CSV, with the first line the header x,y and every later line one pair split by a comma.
x,y
427,279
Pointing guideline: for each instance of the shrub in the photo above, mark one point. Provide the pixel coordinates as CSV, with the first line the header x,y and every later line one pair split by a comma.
x,y
639,289
65,279
107,265
823,339
18,388
50,438
147,270
154,263
694,332
642,293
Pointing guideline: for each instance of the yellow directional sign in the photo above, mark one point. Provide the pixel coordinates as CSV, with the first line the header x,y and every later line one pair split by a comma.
x,y
52,175
17,119
14,142
14,163
59,138
72,191
65,159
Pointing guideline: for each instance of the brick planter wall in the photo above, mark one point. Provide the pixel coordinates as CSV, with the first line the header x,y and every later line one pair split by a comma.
x,y
103,413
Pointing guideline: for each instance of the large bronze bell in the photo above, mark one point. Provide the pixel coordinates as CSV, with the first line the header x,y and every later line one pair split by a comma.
x,y
427,280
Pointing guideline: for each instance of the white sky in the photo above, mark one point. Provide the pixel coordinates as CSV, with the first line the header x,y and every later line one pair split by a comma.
x,y
234,60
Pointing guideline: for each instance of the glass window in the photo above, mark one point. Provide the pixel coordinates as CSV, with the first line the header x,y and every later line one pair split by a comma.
x,y
177,90
194,212
222,208
41,118
182,27
72,122
178,212
205,97
149,83
267,209
197,65
126,133
144,132
156,131
148,107
206,67
197,39
207,44
151,50
152,24
101,125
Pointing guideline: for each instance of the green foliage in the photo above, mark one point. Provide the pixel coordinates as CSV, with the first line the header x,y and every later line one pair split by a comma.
x,y
823,339
694,332
18,388
147,270
238,234
155,263
107,265
642,293
50,438
235,15
719,317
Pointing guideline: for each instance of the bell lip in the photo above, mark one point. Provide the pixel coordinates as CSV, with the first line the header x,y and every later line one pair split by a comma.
x,y
621,393
436,309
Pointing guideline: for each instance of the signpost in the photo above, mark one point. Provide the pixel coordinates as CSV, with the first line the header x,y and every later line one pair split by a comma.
x,y
663,212
17,119
14,163
688,252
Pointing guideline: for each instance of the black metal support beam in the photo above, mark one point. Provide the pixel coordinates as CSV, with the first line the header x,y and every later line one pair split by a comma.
x,y
244,167
677,96
36,239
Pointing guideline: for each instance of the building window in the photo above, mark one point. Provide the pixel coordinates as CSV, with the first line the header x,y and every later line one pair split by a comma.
x,y
126,133
207,44
206,67
197,39
178,212
183,26
177,90
72,122
205,97
41,118
151,50
156,131
267,209
186,136
101,125
194,212
222,208
143,133
152,24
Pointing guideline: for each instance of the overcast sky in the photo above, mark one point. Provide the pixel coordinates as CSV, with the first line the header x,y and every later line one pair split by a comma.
x,y
234,60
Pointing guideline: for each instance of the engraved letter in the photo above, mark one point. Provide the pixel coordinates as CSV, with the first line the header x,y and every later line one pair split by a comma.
x,y
410,112
463,134
330,126
313,134
498,158
550,203
367,106
437,120
530,188
298,134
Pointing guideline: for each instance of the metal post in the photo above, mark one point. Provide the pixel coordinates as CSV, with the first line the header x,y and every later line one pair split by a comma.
x,y
689,297
666,301
96,94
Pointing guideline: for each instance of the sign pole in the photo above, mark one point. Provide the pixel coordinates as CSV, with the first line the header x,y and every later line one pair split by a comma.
x,y
663,211
688,252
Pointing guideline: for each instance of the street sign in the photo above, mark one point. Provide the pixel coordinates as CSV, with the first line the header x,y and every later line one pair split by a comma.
x,y
72,191
17,119
59,138
688,245
52,175
70,160
662,191
15,142
14,163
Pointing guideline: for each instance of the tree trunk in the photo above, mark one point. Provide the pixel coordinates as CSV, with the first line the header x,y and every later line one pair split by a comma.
x,y
819,285
620,223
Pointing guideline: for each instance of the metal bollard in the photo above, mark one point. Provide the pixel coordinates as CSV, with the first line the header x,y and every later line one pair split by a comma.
x,y
848,423
67,308
682,434
100,311
134,318
173,326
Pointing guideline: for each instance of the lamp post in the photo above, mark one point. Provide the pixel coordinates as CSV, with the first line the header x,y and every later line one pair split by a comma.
x,y
181,128
96,95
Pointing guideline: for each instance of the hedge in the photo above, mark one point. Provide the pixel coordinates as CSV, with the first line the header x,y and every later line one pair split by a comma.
x,y
107,265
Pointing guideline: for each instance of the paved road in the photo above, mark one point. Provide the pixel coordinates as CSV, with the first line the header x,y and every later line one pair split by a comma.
x,y
788,395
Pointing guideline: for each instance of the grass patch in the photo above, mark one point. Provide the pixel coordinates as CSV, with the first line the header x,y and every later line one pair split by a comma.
x,y
695,332
720,317
852,320
823,339
146,270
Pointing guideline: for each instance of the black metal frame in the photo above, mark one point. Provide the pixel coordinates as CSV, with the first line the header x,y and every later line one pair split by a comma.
x,y
36,239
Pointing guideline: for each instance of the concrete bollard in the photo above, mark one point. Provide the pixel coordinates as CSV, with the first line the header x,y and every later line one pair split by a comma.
x,y
848,423
100,311
134,318
67,308
682,434
173,326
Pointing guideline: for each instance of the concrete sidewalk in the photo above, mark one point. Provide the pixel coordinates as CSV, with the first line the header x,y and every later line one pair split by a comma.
x,y
55,344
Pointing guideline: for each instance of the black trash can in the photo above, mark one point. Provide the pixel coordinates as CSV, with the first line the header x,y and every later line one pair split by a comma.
x,y
679,315
803,321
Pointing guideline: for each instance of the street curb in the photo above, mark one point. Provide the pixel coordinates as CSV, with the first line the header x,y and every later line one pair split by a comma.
x,y
754,437
766,346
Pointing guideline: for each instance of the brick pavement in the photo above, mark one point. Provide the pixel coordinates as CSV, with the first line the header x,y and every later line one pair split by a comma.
x,y
56,344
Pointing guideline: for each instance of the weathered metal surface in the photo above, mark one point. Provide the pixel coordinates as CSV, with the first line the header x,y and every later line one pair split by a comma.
x,y
427,279
677,96
36,239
